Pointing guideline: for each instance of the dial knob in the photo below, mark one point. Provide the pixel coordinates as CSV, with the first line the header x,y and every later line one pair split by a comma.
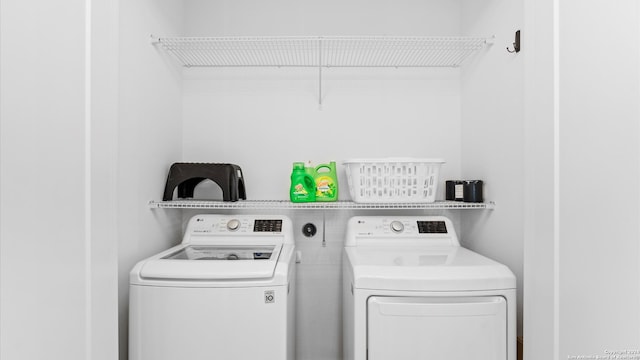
x,y
397,226
233,224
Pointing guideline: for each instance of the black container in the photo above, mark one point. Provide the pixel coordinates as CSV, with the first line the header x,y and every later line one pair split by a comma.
x,y
454,190
472,190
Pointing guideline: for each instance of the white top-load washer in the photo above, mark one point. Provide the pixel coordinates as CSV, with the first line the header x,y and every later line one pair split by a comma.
x,y
412,292
226,292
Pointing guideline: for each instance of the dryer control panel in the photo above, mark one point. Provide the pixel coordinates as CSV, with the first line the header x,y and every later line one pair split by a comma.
x,y
423,230
432,227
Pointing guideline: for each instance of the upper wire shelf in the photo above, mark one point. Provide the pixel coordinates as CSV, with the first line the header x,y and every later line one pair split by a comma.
x,y
322,51
285,204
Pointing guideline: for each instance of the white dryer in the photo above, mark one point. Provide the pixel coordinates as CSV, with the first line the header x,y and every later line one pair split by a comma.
x,y
412,292
226,292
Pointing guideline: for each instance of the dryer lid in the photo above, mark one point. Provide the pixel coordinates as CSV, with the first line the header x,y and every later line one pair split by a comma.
x,y
213,262
450,268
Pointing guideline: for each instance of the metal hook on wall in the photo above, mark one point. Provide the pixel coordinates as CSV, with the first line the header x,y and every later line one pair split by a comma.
x,y
516,44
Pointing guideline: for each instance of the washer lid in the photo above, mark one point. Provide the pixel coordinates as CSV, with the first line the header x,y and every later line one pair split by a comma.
x,y
221,253
450,268
213,262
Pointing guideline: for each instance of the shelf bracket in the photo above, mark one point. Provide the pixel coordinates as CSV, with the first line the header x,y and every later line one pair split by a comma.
x,y
320,74
320,87
324,235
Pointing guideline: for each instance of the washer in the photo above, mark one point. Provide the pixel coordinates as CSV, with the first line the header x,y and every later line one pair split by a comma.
x,y
226,292
412,292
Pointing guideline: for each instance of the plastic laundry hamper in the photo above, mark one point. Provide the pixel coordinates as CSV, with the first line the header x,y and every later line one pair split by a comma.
x,y
393,180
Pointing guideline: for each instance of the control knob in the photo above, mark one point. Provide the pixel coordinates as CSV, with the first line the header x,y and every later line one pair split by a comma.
x,y
397,226
233,224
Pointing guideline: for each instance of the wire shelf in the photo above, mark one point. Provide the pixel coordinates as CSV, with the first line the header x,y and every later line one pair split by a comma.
x,y
285,204
322,51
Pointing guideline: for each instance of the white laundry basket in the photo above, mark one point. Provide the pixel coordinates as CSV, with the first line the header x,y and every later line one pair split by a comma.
x,y
391,180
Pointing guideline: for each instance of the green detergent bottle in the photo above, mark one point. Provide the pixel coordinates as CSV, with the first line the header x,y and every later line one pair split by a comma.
x,y
326,179
303,188
311,171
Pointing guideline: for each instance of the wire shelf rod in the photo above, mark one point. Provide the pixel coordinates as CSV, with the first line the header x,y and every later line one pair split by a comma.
x,y
345,205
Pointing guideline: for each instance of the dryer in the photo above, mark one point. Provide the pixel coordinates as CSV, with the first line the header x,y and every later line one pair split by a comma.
x,y
412,292
226,292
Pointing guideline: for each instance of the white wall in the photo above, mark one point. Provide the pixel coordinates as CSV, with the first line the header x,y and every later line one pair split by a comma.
x,y
599,153
540,269
103,150
149,138
229,113
57,152
493,135
331,17
264,119
582,283
43,182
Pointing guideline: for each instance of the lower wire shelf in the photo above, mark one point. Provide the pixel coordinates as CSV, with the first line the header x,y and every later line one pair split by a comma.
x,y
286,204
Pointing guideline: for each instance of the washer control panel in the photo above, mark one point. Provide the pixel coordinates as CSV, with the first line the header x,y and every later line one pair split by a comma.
x,y
237,225
267,226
